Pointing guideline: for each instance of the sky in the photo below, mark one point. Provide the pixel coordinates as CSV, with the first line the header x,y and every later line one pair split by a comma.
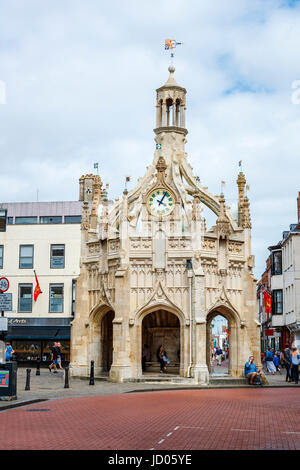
x,y
78,81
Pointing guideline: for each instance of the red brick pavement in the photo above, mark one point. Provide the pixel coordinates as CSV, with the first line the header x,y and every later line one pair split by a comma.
x,y
184,420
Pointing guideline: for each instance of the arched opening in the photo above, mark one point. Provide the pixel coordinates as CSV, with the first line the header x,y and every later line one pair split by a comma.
x,y
170,113
219,341
160,327
106,341
222,331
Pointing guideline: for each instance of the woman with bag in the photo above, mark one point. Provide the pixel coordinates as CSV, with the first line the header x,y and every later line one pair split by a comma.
x,y
162,358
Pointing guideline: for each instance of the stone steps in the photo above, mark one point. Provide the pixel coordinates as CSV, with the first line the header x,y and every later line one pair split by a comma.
x,y
155,367
163,378
223,380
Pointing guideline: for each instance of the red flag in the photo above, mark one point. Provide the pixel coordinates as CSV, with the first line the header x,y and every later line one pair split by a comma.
x,y
268,302
37,290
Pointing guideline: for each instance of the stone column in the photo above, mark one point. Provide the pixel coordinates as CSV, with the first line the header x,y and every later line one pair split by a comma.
x,y
200,369
182,115
164,114
158,115
199,366
121,366
174,114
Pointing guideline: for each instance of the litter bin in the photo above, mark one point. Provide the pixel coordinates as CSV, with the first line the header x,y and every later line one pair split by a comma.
x,y
8,381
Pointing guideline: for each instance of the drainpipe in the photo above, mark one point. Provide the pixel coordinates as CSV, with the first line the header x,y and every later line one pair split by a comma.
x,y
190,276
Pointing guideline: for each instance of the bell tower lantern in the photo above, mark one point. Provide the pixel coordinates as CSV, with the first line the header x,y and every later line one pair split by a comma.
x,y
170,106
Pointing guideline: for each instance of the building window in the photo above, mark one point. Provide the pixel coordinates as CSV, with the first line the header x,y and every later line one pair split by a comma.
x,y
26,220
50,219
73,296
1,256
10,220
57,256
277,302
25,298
26,257
72,219
276,263
3,220
56,304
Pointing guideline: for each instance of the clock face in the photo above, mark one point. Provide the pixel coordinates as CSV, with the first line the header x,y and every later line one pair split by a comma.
x,y
160,202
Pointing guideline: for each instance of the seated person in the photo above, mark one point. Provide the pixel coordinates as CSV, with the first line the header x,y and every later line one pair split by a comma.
x,y
251,371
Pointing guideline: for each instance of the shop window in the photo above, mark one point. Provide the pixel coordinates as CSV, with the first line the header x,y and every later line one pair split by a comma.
x,y
276,263
72,219
57,256
277,302
50,219
1,256
56,300
25,298
10,220
26,257
26,350
3,220
26,220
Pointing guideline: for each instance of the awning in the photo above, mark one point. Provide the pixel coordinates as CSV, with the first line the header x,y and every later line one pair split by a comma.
x,y
39,332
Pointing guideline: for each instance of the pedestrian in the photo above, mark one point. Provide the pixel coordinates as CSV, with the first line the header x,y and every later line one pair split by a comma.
x,y
59,355
295,361
276,361
162,358
269,362
285,360
8,351
219,356
251,372
53,357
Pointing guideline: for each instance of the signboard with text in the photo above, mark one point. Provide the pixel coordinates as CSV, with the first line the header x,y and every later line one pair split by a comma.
x,y
5,302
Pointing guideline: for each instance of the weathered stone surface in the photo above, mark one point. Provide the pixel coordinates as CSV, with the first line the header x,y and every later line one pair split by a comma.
x,y
161,279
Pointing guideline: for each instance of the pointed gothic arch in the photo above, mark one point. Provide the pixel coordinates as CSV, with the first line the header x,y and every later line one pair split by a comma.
x,y
234,322
176,345
101,337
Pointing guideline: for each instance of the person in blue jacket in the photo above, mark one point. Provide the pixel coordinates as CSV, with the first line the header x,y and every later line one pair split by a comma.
x,y
251,371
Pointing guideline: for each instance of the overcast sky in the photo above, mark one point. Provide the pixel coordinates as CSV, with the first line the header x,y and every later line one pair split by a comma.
x,y
80,78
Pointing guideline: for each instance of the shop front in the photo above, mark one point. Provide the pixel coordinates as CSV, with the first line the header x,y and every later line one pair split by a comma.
x,y
32,338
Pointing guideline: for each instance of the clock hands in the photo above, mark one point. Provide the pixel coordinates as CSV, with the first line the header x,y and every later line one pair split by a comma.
x,y
161,201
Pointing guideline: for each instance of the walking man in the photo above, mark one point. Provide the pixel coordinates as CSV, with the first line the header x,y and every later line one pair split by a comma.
x,y
295,361
269,362
219,353
285,359
53,356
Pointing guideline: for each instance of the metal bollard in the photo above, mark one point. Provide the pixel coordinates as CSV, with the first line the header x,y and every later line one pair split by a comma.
x,y
92,381
27,386
66,377
38,364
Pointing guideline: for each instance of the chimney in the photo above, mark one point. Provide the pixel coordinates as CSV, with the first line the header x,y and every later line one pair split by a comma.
x,y
298,206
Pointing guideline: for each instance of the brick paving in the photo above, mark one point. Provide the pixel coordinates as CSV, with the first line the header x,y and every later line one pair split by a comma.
x,y
231,419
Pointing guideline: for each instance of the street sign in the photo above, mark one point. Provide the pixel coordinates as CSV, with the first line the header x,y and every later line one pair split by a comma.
x,y
5,302
4,284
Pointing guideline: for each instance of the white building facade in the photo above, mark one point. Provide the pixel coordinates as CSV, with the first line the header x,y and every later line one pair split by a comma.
x,y
41,237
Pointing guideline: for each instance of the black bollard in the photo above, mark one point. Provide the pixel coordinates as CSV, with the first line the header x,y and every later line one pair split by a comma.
x,y
92,381
27,386
66,377
38,364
